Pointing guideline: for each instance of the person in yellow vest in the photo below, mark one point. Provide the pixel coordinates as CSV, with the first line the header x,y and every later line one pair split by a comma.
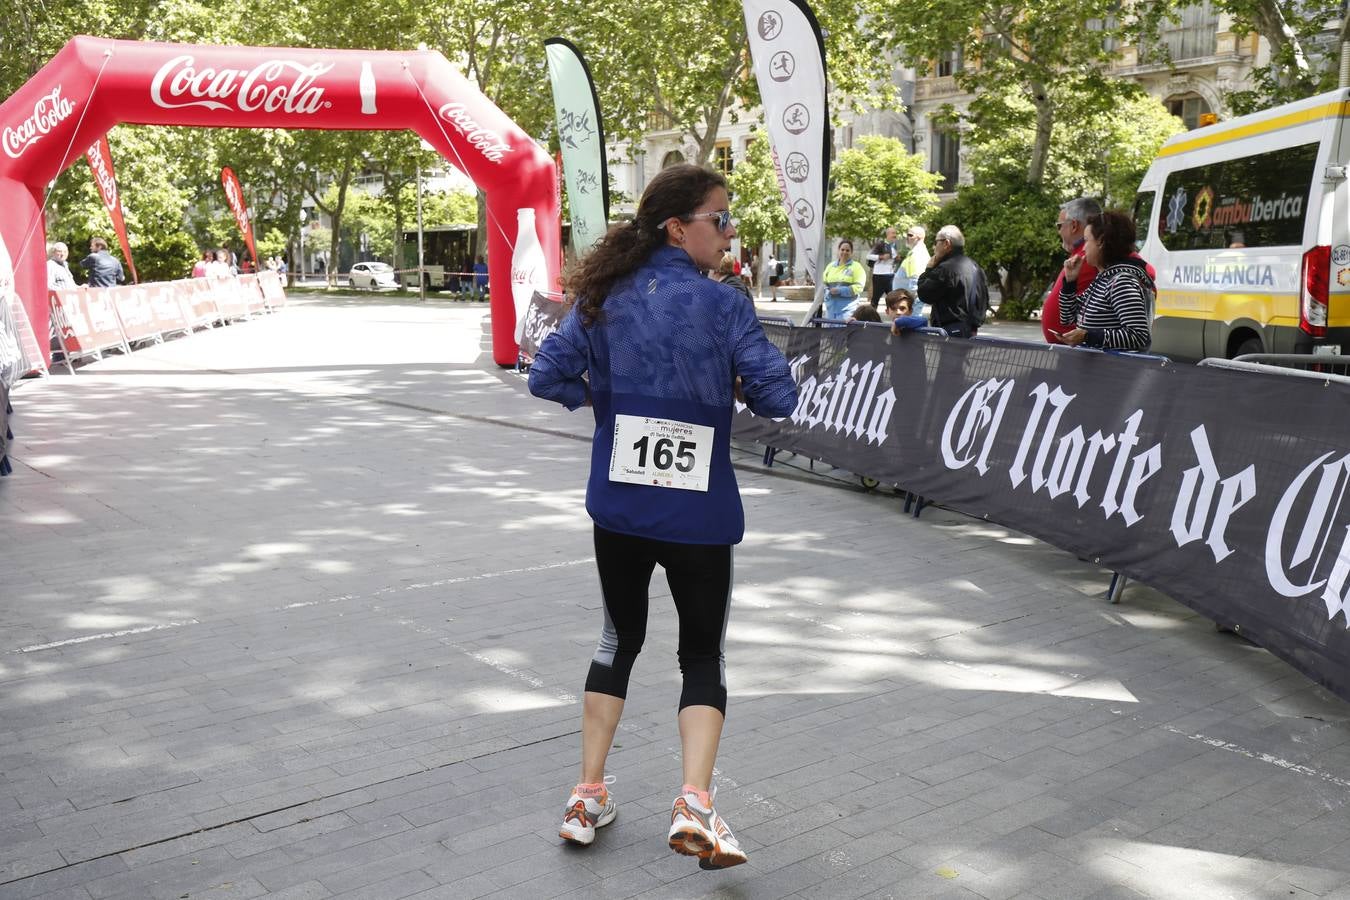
x,y
845,280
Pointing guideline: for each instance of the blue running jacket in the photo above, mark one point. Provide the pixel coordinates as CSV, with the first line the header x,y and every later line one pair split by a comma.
x,y
667,349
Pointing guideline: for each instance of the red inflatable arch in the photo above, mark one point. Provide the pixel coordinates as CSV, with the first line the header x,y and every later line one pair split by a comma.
x,y
94,84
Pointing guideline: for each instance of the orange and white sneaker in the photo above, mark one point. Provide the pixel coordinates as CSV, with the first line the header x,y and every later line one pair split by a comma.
x,y
697,830
590,807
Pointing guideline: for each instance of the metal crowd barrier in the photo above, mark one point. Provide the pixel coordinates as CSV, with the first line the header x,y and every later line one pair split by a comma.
x,y
1299,365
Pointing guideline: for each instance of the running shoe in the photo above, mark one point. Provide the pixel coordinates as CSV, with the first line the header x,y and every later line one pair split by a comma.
x,y
697,830
585,812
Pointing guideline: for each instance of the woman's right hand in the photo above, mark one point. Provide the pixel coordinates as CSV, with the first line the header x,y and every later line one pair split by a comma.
x,y
1072,266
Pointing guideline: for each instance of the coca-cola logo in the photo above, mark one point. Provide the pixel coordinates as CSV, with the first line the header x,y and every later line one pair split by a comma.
x,y
48,112
488,142
278,85
107,184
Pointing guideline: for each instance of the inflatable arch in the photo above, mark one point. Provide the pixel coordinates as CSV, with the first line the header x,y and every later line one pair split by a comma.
x,y
94,84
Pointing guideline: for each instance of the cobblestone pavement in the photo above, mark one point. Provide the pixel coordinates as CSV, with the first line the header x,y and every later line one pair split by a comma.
x,y
301,608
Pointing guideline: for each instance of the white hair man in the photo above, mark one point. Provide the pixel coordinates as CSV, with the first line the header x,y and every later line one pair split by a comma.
x,y
954,286
1070,225
916,258
58,272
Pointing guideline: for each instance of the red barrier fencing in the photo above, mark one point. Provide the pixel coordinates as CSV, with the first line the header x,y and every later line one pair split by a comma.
x,y
88,321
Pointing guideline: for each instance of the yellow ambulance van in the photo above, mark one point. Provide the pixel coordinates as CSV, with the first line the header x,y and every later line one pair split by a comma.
x,y
1248,225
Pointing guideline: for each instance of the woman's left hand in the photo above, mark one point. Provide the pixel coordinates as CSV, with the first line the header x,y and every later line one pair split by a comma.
x,y
1073,337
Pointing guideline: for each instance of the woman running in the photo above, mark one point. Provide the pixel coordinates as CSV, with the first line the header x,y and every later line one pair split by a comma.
x,y
659,351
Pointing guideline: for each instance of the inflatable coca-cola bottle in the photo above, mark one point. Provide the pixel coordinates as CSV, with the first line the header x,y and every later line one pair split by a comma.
x,y
529,273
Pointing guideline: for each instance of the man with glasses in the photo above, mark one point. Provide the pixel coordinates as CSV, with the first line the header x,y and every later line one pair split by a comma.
x,y
954,286
1072,221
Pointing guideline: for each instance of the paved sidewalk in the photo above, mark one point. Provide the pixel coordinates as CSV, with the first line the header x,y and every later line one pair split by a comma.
x,y
301,608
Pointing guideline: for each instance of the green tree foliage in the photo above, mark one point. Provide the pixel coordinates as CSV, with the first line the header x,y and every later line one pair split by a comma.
x,y
878,183
1042,56
756,201
1008,225
685,66
1300,63
1092,153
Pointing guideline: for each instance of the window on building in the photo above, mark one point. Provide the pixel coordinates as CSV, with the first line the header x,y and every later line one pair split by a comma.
x,y
1188,108
659,121
949,63
1195,36
946,157
673,158
722,160
1111,43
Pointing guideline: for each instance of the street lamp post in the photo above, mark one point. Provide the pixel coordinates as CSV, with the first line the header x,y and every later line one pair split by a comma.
x,y
300,263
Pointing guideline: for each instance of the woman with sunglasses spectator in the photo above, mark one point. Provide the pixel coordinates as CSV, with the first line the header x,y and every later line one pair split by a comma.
x,y
661,352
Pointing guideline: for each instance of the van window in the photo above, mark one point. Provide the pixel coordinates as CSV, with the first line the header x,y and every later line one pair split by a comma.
x,y
1143,213
1252,201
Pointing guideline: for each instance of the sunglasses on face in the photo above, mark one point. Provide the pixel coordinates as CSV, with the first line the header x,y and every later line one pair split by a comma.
x,y
722,216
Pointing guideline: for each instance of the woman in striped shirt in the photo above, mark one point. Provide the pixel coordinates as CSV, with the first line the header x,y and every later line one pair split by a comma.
x,y
1113,313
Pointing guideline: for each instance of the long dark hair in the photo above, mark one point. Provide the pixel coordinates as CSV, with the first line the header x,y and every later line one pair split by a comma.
x,y
1114,229
674,193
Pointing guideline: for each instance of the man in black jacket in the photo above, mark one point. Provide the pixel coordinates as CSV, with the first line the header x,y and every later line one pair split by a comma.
x,y
104,269
954,286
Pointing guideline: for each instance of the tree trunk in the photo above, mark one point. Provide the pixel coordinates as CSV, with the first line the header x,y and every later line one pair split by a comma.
x,y
712,122
1045,123
334,239
1270,21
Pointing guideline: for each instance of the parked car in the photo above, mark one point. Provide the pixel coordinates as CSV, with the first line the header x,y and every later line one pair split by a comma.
x,y
372,275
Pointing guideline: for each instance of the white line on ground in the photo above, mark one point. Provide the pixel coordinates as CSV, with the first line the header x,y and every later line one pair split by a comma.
x,y
1221,744
105,635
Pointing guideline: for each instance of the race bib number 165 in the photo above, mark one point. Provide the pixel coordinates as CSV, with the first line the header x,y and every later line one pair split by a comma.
x,y
661,452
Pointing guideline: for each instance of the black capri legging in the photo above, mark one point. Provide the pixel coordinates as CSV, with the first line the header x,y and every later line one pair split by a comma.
x,y
699,576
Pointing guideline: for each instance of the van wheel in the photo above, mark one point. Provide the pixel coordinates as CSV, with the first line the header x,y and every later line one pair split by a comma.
x,y
1249,345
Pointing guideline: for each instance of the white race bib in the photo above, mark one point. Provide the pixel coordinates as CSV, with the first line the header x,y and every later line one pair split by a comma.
x,y
661,452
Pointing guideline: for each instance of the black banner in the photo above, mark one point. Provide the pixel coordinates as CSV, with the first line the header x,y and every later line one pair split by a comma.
x,y
1226,490
541,319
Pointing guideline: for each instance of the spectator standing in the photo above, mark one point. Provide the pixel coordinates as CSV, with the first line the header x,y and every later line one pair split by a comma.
x,y
916,258
219,267
480,277
726,274
882,261
200,267
655,348
104,269
770,277
1070,224
58,270
845,280
1113,314
954,286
